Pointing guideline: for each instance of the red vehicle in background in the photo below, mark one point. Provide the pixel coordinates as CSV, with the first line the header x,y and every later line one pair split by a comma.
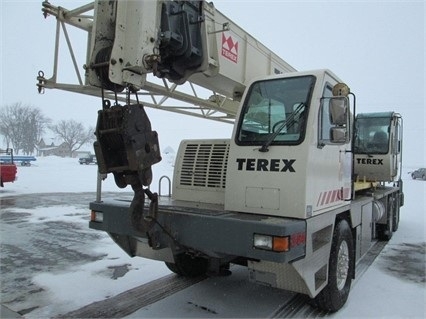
x,y
8,168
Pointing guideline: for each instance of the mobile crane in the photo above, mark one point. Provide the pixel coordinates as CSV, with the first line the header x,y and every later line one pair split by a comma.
x,y
298,194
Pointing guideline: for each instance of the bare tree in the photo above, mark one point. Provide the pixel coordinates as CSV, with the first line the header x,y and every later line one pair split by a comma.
x,y
73,134
22,126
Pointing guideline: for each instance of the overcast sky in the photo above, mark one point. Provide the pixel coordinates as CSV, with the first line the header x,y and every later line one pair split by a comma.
x,y
376,47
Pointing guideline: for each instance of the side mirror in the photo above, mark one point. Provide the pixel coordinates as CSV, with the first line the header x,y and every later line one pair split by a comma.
x,y
338,109
338,135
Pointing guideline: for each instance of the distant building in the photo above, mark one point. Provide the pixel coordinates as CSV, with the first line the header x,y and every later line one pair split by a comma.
x,y
52,149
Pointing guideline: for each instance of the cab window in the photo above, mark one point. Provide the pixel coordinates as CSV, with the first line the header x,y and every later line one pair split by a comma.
x,y
372,135
277,106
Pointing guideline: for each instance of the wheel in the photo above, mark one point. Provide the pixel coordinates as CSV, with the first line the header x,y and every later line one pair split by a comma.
x,y
424,177
172,267
188,266
385,231
340,270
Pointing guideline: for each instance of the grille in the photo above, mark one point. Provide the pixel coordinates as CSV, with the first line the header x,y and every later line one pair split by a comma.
x,y
204,165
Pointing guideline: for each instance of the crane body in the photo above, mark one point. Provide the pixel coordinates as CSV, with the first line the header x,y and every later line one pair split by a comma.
x,y
298,194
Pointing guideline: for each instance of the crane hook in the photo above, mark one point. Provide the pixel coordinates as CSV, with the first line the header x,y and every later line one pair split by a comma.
x,y
41,82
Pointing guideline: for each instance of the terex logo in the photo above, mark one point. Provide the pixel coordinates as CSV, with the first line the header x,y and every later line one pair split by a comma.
x,y
273,165
229,48
370,161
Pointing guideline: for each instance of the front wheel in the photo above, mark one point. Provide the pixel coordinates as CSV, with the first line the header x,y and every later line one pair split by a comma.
x,y
340,270
188,266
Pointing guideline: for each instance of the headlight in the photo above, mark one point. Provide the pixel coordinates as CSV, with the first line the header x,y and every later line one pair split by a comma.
x,y
262,242
272,243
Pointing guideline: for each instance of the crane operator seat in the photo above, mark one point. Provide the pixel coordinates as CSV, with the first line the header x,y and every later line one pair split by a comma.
x,y
380,142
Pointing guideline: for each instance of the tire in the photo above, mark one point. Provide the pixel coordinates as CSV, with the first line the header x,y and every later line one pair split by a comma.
x,y
413,176
173,268
188,266
385,232
340,270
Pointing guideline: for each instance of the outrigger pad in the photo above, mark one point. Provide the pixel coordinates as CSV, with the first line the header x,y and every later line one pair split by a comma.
x,y
126,145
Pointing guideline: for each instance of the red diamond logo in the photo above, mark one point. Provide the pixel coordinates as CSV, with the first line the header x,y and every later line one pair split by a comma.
x,y
229,48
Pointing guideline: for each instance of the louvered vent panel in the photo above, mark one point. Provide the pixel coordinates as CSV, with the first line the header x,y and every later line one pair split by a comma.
x,y
204,165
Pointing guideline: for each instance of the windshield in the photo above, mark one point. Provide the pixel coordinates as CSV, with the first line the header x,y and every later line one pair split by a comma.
x,y
372,135
275,111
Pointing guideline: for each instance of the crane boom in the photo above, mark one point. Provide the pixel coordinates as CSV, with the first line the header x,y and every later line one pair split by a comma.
x,y
169,52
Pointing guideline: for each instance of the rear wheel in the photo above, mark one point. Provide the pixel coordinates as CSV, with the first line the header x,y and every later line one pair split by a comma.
x,y
188,266
340,271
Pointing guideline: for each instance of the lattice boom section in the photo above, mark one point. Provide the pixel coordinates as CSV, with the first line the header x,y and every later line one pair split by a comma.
x,y
204,165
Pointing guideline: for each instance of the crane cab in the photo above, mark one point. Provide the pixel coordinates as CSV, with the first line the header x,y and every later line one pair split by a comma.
x,y
288,155
378,143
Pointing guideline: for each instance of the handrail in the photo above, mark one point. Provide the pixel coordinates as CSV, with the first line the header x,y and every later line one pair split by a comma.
x,y
170,185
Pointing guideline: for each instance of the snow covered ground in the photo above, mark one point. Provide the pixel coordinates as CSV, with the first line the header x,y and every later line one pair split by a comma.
x,y
68,288
56,174
394,286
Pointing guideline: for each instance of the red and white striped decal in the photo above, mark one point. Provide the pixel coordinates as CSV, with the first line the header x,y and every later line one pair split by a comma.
x,y
332,196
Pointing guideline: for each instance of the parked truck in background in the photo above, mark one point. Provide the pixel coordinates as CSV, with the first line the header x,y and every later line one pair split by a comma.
x,y
419,173
88,159
298,194
8,169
